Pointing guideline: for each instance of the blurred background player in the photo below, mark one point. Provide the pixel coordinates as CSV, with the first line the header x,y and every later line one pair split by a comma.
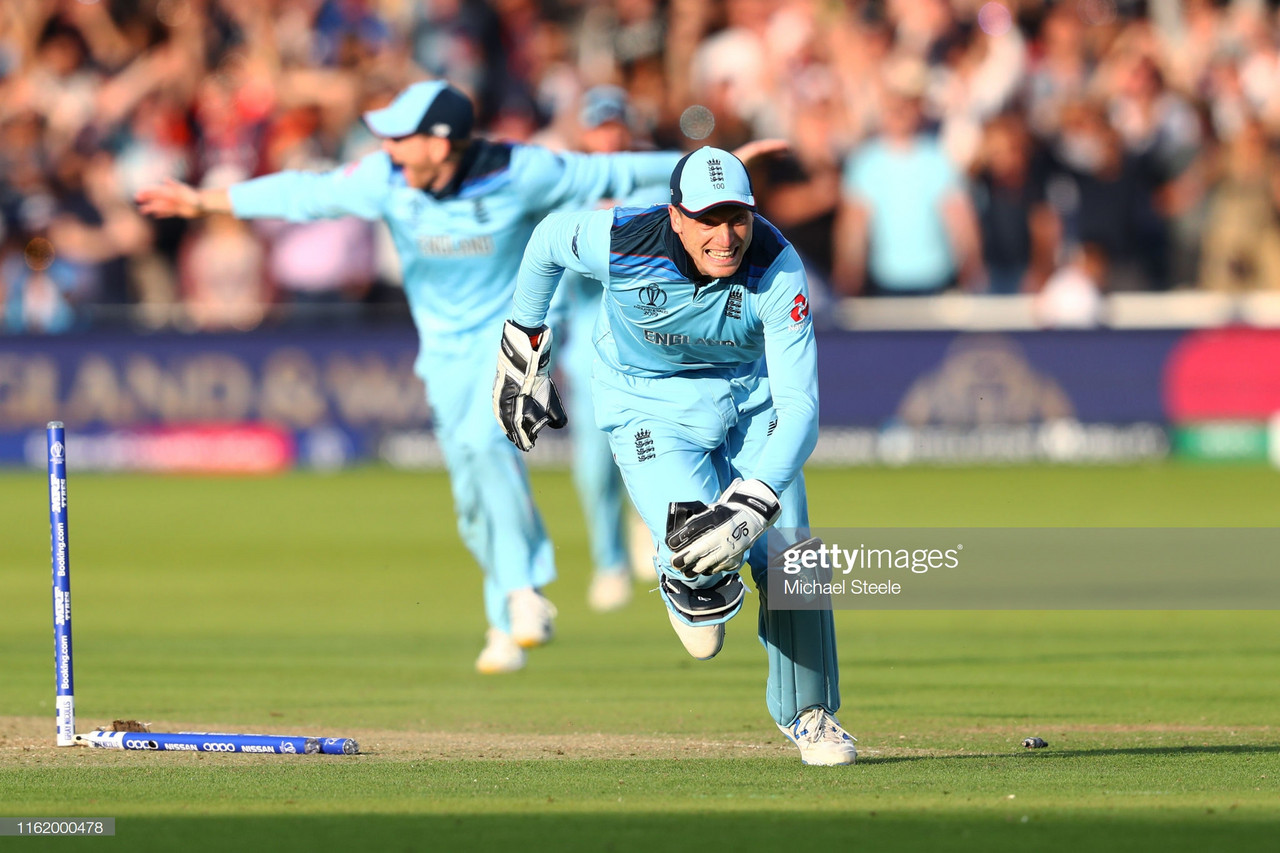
x,y
706,382
605,127
460,211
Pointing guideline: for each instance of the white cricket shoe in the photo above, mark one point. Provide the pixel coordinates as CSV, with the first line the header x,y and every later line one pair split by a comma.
x,y
703,641
821,739
609,591
531,618
500,654
641,550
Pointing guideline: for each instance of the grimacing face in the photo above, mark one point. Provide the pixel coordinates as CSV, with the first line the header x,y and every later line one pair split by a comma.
x,y
717,240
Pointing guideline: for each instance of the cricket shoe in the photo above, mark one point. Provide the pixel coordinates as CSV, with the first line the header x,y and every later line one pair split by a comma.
x,y
609,591
821,739
500,654
532,618
702,641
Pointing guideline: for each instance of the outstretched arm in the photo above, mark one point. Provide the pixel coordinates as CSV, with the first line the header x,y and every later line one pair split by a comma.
x,y
356,189
551,180
174,198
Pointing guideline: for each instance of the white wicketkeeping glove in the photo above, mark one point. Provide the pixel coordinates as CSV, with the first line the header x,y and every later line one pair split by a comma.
x,y
717,539
524,398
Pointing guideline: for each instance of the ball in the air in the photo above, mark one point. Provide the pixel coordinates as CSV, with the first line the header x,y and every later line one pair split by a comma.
x,y
697,122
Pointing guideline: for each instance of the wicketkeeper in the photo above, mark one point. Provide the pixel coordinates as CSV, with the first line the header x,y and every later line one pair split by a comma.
x,y
706,384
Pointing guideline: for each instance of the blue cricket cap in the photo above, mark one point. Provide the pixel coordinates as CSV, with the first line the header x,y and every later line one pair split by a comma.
x,y
433,108
710,177
603,104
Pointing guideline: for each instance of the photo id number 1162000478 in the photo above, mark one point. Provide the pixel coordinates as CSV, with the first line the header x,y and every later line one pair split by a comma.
x,y
57,826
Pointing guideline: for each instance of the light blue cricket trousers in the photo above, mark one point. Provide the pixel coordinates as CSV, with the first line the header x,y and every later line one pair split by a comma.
x,y
497,518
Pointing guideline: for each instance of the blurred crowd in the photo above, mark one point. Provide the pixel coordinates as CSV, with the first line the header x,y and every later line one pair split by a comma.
x,y
1065,148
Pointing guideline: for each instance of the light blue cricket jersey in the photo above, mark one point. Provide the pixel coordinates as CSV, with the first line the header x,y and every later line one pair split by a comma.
x,y
661,318
577,292
459,248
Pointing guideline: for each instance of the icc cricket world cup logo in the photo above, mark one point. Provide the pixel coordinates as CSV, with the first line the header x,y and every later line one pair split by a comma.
x,y
651,299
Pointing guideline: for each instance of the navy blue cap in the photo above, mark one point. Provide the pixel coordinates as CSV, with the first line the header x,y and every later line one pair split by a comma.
x,y
433,108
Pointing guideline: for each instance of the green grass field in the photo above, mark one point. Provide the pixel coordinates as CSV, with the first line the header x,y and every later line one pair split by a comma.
x,y
345,605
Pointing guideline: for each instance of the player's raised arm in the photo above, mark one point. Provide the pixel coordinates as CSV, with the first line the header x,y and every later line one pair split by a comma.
x,y
549,180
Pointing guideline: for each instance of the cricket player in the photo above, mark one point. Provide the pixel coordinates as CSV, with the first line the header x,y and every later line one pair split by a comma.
x,y
460,211
706,384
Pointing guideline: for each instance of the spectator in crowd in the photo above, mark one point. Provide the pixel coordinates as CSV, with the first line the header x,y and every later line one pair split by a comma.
x,y
38,286
1061,70
1106,196
1242,231
1020,231
224,281
981,65
1163,128
800,191
184,88
906,226
96,228
223,270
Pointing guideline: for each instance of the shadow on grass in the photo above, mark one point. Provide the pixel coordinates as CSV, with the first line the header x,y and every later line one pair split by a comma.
x,y
668,833
1052,754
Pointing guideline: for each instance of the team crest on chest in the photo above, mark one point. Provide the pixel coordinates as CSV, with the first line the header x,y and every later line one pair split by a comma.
x,y
733,305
